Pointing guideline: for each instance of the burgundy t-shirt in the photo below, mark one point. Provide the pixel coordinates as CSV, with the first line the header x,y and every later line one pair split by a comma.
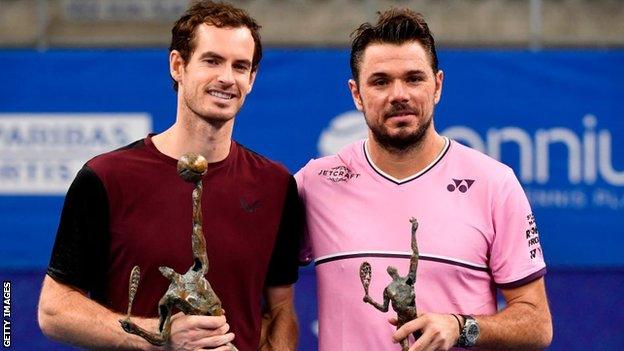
x,y
129,207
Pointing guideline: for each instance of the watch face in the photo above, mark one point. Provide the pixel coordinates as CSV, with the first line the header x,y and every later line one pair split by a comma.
x,y
472,333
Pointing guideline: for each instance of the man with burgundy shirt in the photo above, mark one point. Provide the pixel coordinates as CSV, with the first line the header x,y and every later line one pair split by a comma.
x,y
129,207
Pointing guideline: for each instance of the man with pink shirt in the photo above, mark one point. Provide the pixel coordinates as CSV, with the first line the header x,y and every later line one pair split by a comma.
x,y
476,233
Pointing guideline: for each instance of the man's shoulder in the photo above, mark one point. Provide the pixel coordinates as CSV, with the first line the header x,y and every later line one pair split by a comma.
x,y
345,158
478,162
321,162
257,162
115,159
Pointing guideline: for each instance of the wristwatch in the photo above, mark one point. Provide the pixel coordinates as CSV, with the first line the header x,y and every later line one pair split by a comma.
x,y
470,333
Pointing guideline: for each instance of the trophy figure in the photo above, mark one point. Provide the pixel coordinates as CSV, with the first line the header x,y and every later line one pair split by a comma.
x,y
400,291
189,292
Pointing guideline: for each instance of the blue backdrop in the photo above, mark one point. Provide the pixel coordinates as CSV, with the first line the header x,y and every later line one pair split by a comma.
x,y
555,117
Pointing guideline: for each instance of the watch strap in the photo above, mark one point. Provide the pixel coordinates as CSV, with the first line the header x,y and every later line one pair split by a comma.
x,y
459,324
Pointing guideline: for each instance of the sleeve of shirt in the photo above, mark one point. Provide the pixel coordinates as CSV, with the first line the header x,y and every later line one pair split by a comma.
x,y
79,254
284,264
516,255
305,249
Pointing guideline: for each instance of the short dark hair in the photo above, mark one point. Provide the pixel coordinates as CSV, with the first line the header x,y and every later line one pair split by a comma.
x,y
395,26
216,14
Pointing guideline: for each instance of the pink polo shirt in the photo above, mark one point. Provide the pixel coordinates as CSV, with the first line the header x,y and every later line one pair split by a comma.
x,y
476,232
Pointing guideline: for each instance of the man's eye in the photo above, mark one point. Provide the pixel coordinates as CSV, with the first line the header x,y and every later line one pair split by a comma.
x,y
414,79
380,82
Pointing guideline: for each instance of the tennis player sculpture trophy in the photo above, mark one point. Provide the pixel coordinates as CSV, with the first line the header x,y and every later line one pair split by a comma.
x,y
189,292
400,291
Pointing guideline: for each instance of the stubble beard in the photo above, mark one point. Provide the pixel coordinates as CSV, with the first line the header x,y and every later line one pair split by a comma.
x,y
402,142
215,119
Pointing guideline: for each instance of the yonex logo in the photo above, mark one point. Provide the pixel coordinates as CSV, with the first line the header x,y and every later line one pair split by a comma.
x,y
460,184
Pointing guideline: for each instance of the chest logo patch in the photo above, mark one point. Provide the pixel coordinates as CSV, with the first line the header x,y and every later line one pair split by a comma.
x,y
338,174
250,206
462,185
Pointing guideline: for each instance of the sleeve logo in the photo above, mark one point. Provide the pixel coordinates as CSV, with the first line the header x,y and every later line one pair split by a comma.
x,y
338,174
532,237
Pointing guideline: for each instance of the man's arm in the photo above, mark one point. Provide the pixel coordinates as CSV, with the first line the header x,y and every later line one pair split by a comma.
x,y
67,315
525,324
279,321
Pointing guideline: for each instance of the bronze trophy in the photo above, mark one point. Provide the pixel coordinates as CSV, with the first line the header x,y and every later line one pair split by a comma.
x,y
189,292
400,291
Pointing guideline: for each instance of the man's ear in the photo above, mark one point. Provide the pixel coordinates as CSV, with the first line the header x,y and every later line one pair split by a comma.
x,y
439,79
355,94
176,65
252,79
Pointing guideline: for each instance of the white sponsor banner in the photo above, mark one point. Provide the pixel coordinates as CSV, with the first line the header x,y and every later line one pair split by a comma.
x,y
589,155
343,129
41,153
588,160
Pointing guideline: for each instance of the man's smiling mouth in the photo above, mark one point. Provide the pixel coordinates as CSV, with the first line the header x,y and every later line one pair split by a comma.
x,y
221,94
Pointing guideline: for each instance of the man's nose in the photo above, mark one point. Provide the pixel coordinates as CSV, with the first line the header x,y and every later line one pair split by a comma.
x,y
398,92
226,75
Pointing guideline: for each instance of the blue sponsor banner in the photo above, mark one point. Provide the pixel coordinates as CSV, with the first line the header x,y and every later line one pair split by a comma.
x,y
555,117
